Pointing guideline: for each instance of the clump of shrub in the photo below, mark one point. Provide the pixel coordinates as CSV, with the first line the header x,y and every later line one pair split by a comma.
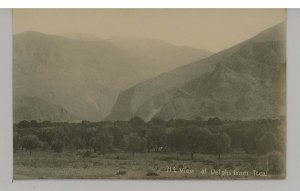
x,y
168,158
275,163
253,163
57,146
152,173
93,155
17,141
216,166
30,142
207,162
121,157
121,172
75,165
85,165
97,163
229,166
180,166
87,154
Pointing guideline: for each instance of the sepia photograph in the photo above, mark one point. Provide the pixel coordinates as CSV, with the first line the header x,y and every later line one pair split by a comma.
x,y
149,94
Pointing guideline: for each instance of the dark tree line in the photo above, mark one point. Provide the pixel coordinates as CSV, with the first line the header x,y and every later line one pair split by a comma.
x,y
212,136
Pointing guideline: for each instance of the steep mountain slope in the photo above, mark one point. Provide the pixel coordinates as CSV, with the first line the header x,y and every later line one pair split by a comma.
x,y
82,77
29,108
77,73
241,82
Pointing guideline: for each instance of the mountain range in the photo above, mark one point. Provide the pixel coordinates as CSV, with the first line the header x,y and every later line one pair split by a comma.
x,y
245,81
71,77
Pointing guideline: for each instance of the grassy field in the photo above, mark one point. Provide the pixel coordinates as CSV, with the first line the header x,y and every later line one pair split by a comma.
x,y
72,165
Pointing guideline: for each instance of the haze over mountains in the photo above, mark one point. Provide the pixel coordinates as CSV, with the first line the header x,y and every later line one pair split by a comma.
x,y
242,82
156,57
75,77
152,57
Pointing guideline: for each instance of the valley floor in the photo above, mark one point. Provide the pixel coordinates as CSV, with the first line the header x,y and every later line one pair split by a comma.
x,y
72,165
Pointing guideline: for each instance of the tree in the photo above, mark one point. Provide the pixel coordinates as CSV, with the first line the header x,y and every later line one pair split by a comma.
x,y
156,121
57,146
16,141
155,137
199,118
222,143
23,124
214,121
253,139
89,135
47,135
34,123
207,140
276,163
194,140
190,139
267,143
79,143
117,136
236,135
138,126
135,143
103,142
177,139
137,121
181,122
30,142
85,123
46,124
249,141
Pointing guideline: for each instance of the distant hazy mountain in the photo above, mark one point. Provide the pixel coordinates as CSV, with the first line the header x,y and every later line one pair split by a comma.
x,y
29,108
78,75
82,77
79,36
242,82
156,57
153,57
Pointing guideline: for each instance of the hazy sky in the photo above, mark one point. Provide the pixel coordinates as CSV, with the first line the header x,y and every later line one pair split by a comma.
x,y
211,29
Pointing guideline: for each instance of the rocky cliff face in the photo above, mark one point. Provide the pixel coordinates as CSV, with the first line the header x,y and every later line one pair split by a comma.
x,y
242,82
